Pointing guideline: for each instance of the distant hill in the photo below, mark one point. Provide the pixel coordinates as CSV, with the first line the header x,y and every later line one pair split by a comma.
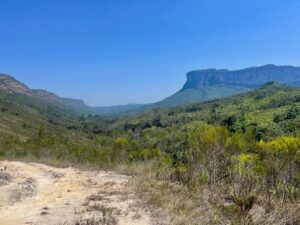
x,y
10,85
23,111
209,84
77,105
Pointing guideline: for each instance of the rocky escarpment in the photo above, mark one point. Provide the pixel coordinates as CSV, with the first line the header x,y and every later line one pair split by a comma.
x,y
250,77
202,85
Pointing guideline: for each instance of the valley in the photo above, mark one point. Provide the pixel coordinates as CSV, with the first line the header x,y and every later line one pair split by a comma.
x,y
231,160
149,112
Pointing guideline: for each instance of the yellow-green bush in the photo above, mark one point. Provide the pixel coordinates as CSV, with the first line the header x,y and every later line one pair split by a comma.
x,y
282,162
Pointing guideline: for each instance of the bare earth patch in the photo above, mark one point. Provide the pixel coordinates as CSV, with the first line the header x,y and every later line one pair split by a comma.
x,y
36,194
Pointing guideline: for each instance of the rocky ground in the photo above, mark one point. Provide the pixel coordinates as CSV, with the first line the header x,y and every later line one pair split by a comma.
x,y
36,194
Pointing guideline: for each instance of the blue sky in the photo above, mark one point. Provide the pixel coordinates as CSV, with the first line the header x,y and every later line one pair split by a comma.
x,y
111,52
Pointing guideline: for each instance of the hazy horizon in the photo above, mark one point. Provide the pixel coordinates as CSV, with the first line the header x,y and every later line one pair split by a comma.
x,y
115,53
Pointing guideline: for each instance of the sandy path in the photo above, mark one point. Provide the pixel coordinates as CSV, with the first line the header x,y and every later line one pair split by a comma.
x,y
37,194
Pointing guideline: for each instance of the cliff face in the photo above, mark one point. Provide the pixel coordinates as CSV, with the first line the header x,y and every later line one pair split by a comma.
x,y
202,85
248,78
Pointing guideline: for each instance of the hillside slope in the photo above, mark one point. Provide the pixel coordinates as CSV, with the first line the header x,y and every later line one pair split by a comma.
x,y
271,108
23,114
10,85
209,84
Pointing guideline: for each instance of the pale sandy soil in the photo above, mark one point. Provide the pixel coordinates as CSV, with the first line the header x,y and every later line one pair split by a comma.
x,y
36,194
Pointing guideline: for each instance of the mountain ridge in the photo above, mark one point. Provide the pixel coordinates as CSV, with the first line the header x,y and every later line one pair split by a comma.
x,y
254,75
201,85
12,86
207,84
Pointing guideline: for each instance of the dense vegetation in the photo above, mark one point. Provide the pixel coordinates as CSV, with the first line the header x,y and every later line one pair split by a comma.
x,y
227,161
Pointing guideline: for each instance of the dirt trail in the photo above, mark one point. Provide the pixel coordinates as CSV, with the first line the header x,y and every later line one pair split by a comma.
x,y
36,194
